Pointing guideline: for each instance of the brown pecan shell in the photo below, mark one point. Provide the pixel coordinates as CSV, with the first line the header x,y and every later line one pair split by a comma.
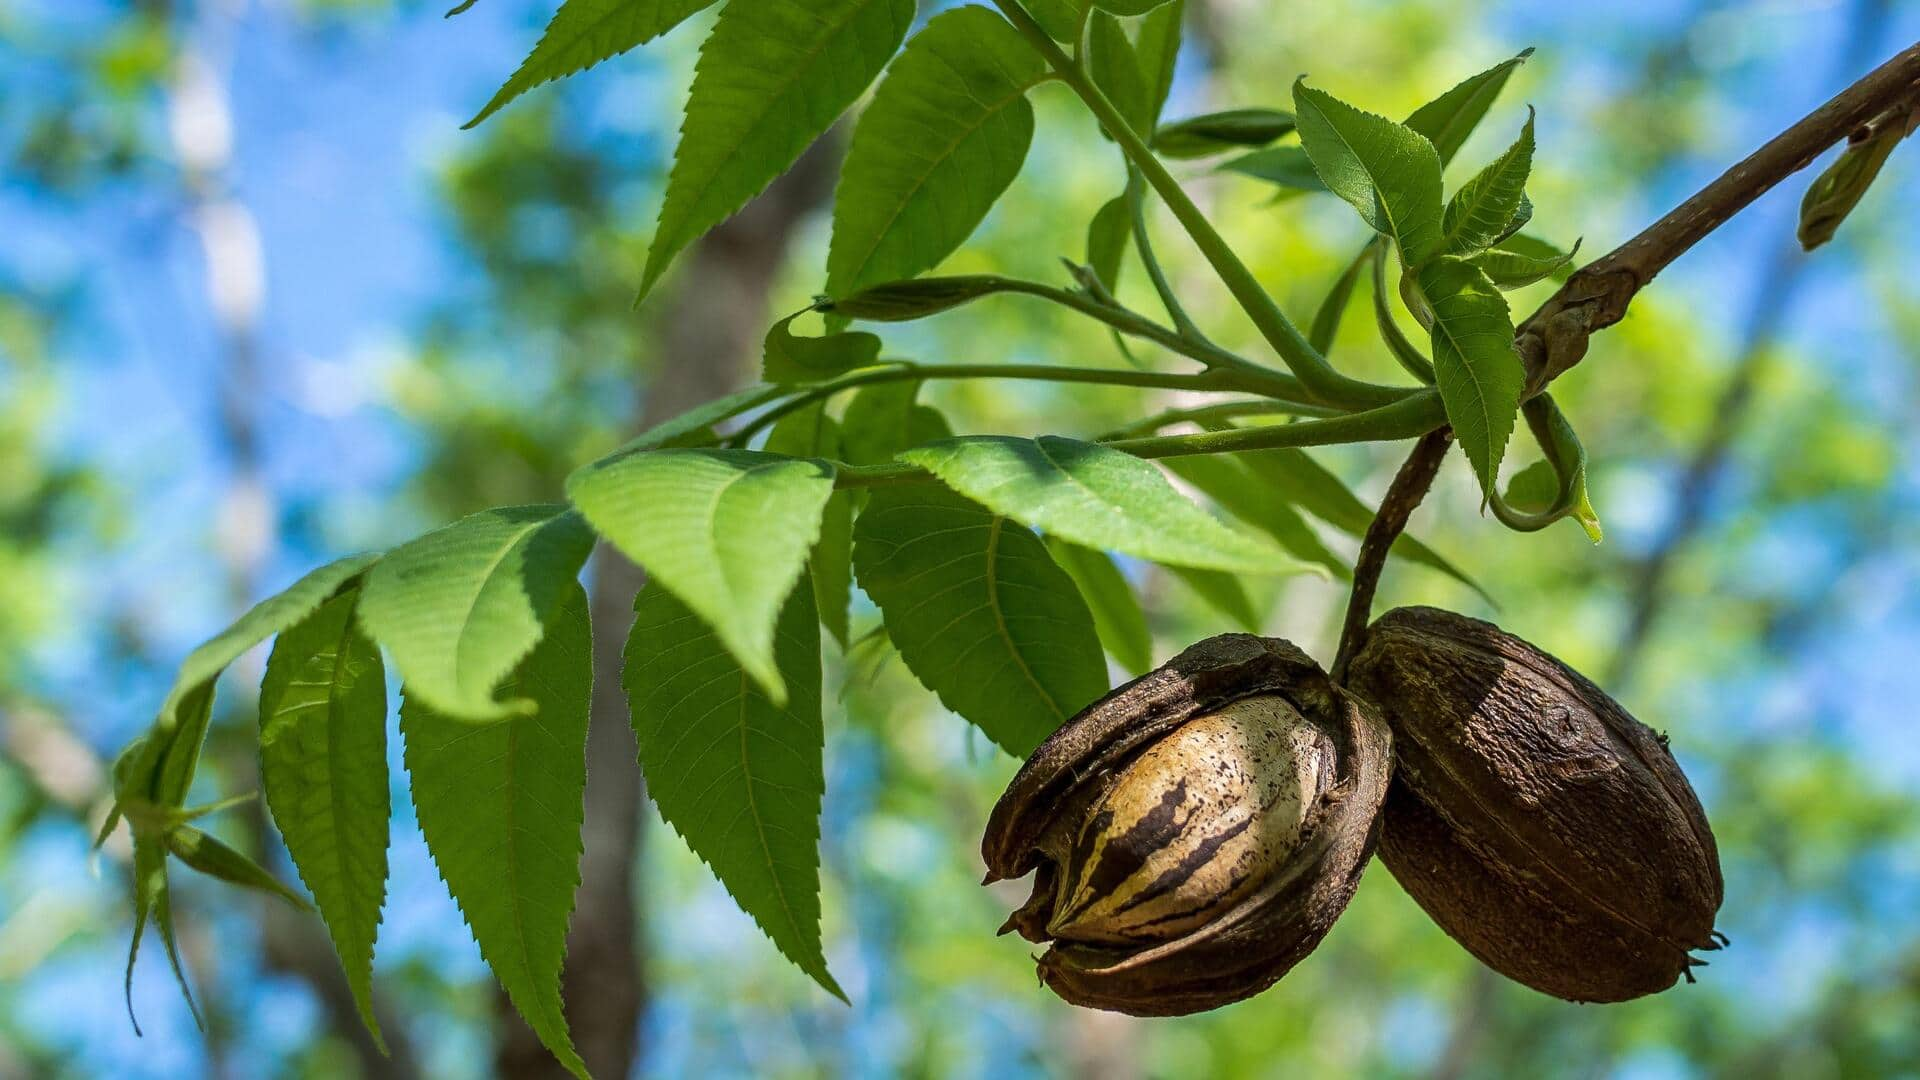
x,y
1541,825
1247,938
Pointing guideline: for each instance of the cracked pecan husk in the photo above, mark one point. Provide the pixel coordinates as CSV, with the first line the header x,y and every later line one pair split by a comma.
x,y
1195,833
1541,825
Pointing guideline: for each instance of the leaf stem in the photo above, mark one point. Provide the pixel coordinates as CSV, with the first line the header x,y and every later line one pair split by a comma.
x,y
1404,419
1403,350
1322,381
1143,243
1220,411
1212,380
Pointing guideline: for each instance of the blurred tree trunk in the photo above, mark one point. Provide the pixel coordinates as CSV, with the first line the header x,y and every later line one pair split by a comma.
x,y
709,334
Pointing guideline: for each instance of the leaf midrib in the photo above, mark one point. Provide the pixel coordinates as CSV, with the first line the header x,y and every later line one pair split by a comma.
x,y
1000,621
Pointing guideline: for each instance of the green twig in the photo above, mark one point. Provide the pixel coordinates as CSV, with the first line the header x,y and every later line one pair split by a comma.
x,y
1322,381
1404,419
1204,415
1403,350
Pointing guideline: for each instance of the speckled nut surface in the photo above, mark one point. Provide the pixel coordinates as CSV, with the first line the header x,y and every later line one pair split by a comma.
x,y
1544,828
1195,833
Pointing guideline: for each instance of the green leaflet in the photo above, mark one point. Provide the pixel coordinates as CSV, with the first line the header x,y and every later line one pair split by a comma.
x,y
772,76
1286,167
1222,592
1837,190
153,900
1231,484
676,429
883,419
1115,69
1479,213
1534,488
980,613
902,301
207,854
159,766
1097,497
1474,362
1128,8
1521,260
323,766
1448,119
947,131
789,358
1107,238
1326,319
1158,47
1389,172
500,803
457,608
1216,133
1546,491
736,775
726,531
811,433
585,32
1117,615
1294,476
1061,19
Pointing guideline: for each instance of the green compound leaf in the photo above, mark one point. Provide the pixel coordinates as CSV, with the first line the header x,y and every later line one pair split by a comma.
x,y
980,613
1836,191
1117,615
884,419
1107,238
1448,119
1480,213
790,358
210,856
1294,476
323,765
726,531
457,608
1061,19
736,775
1474,362
811,433
1285,167
678,429
1521,260
585,32
1097,497
772,76
500,803
1235,487
152,775
1115,69
1326,319
1224,593
153,900
1217,133
1158,47
1389,172
1128,8
947,131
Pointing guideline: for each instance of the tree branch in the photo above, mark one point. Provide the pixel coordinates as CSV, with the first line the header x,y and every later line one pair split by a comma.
x,y
1554,338
1409,487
